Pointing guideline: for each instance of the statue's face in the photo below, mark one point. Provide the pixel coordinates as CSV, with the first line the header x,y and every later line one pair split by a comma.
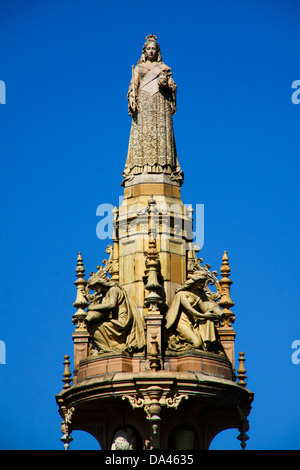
x,y
151,51
97,288
200,284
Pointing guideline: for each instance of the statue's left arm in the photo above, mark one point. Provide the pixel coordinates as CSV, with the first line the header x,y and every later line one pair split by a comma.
x,y
167,84
173,89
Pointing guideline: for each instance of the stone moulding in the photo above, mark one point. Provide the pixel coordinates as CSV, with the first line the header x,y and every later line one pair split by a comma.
x,y
200,361
153,395
191,384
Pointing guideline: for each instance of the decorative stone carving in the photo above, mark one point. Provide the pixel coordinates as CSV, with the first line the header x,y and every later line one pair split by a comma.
x,y
226,332
111,265
223,287
113,318
136,402
154,354
67,374
124,439
66,414
190,320
241,370
80,302
154,398
194,264
174,402
243,427
153,300
151,103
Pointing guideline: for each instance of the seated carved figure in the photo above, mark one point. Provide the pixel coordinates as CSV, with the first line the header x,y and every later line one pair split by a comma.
x,y
113,318
190,320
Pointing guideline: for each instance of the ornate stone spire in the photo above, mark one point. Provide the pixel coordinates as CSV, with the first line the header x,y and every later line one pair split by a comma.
x,y
80,303
241,370
224,290
67,374
153,300
226,331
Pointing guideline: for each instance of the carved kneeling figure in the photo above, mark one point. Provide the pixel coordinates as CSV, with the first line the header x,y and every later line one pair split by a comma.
x,y
113,318
190,320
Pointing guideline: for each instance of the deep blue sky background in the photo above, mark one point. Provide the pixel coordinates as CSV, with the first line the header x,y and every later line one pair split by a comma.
x,y
63,142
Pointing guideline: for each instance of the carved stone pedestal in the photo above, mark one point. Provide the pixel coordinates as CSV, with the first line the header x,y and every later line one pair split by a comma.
x,y
227,337
153,323
81,341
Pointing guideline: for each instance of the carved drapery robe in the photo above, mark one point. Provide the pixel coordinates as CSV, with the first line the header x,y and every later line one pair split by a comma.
x,y
152,146
185,330
121,327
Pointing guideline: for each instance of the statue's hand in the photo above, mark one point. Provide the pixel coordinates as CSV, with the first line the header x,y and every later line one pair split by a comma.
x,y
132,104
162,80
212,316
173,107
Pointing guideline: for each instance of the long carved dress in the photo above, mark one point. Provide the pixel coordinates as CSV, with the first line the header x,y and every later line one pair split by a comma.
x,y
152,146
124,330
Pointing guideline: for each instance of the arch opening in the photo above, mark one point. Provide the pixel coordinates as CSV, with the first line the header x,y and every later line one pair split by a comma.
x,y
226,440
83,440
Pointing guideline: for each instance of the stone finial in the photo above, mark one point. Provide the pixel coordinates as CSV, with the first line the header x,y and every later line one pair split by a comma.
x,y
241,370
154,354
223,287
80,303
66,414
153,300
67,374
243,427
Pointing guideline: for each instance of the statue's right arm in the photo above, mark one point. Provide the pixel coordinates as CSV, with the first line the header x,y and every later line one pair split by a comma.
x,y
132,103
106,305
100,311
132,107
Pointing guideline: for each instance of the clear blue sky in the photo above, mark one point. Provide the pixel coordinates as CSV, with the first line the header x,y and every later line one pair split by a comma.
x,y
63,142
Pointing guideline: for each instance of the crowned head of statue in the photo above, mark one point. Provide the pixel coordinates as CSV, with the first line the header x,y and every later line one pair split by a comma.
x,y
151,50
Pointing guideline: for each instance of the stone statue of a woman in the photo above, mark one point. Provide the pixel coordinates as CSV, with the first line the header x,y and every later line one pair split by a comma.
x,y
113,318
190,320
151,103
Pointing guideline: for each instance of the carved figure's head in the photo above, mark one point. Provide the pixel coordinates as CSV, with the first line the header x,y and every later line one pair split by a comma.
x,y
99,280
151,50
198,279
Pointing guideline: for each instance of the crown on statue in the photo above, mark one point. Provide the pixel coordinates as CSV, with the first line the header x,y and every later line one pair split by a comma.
x,y
151,37
100,277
